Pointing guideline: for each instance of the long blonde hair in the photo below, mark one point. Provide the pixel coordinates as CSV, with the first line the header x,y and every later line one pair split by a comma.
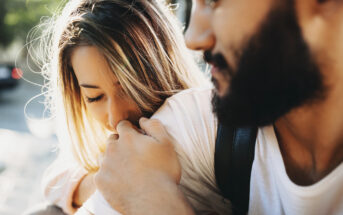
x,y
144,47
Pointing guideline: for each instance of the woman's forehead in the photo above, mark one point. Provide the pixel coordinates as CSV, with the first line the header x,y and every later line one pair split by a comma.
x,y
91,67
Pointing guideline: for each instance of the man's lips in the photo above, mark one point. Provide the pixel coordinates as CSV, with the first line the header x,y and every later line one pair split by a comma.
x,y
220,81
214,69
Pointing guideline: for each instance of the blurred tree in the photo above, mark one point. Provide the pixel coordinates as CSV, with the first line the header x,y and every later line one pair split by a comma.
x,y
3,37
17,17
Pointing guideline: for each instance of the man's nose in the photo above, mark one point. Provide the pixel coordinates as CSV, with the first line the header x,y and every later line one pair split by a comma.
x,y
199,35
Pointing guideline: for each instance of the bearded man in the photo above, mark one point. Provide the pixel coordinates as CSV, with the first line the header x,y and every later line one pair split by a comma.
x,y
276,64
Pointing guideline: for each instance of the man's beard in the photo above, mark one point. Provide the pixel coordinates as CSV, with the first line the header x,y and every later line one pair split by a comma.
x,y
275,74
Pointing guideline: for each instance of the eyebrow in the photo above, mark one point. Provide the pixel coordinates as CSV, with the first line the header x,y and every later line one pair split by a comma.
x,y
89,86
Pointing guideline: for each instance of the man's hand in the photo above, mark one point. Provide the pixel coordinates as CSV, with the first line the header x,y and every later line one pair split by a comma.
x,y
140,173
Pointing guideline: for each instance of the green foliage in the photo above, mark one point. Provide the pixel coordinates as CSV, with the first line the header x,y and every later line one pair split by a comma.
x,y
17,17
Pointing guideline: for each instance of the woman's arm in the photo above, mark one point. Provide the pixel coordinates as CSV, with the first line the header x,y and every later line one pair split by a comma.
x,y
66,184
84,190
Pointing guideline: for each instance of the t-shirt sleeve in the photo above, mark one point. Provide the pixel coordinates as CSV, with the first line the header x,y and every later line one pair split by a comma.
x,y
60,181
189,119
96,204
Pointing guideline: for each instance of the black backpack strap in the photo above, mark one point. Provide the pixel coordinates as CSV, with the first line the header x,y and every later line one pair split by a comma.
x,y
234,155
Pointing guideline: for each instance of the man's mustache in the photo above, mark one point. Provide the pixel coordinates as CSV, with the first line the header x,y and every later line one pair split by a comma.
x,y
218,61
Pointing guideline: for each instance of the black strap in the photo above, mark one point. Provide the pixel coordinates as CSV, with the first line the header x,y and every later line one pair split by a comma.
x,y
234,156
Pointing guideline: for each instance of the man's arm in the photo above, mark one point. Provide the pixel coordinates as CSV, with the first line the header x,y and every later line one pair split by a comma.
x,y
140,173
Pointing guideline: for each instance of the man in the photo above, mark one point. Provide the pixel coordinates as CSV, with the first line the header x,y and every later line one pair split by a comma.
x,y
276,64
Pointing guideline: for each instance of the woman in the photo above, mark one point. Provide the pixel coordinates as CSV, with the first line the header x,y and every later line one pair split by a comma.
x,y
119,59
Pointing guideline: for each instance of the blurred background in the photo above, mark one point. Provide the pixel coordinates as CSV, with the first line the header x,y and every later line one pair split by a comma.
x,y
27,140
27,136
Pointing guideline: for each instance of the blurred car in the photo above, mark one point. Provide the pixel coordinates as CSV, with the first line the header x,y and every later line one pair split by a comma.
x,y
9,76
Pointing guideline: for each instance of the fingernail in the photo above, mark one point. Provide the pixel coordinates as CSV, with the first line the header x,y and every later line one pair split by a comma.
x,y
143,119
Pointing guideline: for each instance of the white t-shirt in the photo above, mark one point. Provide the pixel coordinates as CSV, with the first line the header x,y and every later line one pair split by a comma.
x,y
272,192
189,119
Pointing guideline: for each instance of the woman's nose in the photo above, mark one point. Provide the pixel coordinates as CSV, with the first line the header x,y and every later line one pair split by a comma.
x,y
199,35
115,113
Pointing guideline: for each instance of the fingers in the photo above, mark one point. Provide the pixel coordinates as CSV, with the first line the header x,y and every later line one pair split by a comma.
x,y
100,160
110,147
125,127
113,137
127,131
154,128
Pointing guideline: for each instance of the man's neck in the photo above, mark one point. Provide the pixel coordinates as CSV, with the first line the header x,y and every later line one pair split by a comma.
x,y
311,138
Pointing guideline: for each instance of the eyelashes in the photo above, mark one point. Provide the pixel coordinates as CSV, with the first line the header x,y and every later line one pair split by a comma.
x,y
121,95
94,99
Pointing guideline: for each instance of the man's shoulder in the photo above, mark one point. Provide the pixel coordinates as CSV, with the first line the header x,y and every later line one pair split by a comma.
x,y
202,93
190,108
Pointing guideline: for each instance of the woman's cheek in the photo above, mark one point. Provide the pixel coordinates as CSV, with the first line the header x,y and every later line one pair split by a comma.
x,y
98,113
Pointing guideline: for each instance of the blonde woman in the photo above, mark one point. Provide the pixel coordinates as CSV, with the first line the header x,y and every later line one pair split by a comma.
x,y
113,60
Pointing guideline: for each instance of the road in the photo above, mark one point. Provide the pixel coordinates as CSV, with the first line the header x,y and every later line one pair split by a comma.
x,y
27,147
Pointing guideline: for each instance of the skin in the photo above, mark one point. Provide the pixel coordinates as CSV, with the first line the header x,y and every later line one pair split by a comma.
x,y
84,190
105,101
310,137
144,163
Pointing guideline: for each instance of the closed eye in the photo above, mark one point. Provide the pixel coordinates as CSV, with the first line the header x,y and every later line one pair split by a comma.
x,y
94,99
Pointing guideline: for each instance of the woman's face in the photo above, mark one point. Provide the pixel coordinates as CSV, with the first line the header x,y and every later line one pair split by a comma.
x,y
104,97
